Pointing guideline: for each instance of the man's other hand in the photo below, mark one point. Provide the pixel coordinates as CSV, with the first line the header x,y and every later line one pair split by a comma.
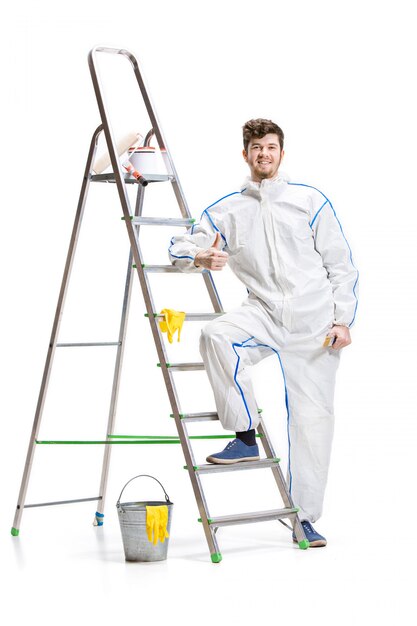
x,y
213,258
342,335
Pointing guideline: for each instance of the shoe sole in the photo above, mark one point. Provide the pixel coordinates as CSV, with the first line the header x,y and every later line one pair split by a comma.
x,y
319,543
212,459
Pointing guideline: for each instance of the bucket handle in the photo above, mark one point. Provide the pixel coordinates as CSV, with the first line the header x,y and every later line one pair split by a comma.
x,y
140,476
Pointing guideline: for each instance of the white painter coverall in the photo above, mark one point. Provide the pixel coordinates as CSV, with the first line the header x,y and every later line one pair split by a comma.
x,y
286,244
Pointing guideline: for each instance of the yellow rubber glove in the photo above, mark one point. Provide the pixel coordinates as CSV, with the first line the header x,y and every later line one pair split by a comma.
x,y
156,523
173,322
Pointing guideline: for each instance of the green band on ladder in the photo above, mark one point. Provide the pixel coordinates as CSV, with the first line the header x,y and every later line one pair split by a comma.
x,y
129,440
143,437
304,544
175,438
15,532
109,442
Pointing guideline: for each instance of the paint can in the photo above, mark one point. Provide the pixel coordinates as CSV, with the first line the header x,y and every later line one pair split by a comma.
x,y
144,159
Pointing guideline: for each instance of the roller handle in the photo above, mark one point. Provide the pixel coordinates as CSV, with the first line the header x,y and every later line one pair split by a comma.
x,y
129,167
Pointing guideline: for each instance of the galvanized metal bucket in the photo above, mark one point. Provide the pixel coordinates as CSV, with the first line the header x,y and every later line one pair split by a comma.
x,y
132,519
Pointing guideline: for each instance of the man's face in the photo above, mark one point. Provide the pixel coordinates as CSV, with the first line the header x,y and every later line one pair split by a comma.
x,y
264,156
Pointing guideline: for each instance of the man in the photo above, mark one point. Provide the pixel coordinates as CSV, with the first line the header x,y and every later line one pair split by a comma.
x,y
284,241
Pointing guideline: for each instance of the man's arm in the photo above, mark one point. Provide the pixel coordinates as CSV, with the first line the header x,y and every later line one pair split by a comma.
x,y
199,248
336,254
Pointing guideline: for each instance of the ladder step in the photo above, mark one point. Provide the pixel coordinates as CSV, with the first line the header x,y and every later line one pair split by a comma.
x,y
84,345
191,317
250,518
162,221
234,467
199,317
161,269
201,417
183,367
198,417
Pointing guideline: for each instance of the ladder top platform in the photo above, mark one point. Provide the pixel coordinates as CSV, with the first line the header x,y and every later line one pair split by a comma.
x,y
110,178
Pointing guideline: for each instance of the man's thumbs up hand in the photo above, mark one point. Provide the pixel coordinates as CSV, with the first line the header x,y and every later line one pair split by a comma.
x,y
213,258
217,241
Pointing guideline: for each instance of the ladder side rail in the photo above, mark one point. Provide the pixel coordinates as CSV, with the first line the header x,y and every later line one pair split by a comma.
x,y
212,292
55,331
176,411
134,243
169,163
174,401
279,478
281,482
208,279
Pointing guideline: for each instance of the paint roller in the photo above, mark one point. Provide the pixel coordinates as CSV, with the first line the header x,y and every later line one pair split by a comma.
x,y
122,146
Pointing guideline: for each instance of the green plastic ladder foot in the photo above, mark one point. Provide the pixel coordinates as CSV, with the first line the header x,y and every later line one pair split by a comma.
x,y
304,544
15,532
216,557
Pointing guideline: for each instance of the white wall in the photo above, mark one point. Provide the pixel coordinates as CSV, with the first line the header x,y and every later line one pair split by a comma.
x,y
339,79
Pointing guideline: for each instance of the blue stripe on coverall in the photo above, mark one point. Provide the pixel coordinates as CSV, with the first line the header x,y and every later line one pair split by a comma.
x,y
343,234
210,218
263,345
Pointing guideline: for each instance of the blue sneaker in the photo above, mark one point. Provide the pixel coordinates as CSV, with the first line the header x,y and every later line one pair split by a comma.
x,y
234,452
315,540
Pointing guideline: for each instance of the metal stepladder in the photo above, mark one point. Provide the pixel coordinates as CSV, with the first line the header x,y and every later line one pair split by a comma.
x,y
133,221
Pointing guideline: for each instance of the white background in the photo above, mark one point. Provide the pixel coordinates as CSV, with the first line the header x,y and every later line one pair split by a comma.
x,y
339,79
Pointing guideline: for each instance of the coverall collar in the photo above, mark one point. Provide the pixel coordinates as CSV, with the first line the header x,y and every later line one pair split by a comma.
x,y
253,188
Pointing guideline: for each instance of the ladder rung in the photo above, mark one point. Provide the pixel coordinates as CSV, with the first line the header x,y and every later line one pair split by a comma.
x,y
30,506
249,518
191,317
201,417
162,221
183,367
197,417
84,345
199,317
161,269
233,467
164,269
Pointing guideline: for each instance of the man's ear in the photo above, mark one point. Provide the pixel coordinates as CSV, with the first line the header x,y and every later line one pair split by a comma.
x,y
245,155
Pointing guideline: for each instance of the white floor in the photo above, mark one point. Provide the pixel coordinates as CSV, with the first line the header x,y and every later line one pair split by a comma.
x,y
340,84
63,570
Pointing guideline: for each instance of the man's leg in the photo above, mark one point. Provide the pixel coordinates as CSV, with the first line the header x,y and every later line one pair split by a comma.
x,y
228,347
227,357
310,373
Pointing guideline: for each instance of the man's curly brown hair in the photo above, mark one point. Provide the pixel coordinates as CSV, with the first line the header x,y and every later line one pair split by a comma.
x,y
259,128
